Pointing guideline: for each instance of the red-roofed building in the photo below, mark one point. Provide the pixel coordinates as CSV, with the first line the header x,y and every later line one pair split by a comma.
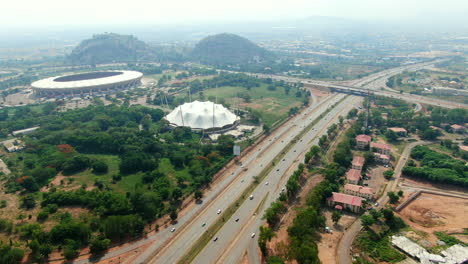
x,y
362,141
436,128
381,148
464,148
358,162
353,176
399,131
350,202
382,158
361,191
458,129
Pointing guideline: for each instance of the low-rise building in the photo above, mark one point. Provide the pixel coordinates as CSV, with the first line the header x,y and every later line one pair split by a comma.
x,y
358,162
456,254
357,190
346,201
399,131
458,129
464,148
381,148
353,176
382,158
362,141
24,131
13,145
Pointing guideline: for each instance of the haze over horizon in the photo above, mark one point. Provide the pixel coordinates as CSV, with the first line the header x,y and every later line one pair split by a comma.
x,y
46,13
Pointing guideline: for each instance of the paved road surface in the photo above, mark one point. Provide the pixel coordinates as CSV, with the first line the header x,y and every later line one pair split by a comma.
x,y
374,82
235,237
168,250
343,250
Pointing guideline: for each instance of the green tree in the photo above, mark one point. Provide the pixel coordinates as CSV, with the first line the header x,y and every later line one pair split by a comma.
x,y
99,245
28,201
266,234
173,215
99,167
10,255
367,220
336,216
375,214
393,197
388,174
391,135
198,194
275,260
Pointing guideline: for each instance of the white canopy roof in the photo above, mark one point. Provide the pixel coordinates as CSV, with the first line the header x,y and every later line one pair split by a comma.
x,y
201,115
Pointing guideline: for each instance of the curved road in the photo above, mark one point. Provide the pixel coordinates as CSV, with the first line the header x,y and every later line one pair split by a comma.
x,y
343,250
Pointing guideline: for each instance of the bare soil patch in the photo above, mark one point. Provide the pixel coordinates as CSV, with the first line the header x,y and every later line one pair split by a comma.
x,y
430,213
329,241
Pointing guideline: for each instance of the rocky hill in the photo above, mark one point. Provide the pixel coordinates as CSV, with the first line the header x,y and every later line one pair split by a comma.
x,y
111,47
228,49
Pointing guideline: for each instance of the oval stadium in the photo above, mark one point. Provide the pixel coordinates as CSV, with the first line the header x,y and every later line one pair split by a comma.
x,y
86,83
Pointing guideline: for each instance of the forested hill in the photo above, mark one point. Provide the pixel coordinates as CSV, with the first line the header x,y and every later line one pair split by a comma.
x,y
228,49
111,47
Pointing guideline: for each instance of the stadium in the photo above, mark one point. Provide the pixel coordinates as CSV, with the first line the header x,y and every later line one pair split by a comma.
x,y
203,116
86,83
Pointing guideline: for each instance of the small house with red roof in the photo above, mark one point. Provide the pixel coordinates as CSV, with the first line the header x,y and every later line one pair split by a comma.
x,y
357,190
382,158
381,148
458,129
346,201
399,131
362,141
353,176
358,162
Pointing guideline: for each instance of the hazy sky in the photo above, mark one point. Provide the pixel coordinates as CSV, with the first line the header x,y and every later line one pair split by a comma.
x,y
90,12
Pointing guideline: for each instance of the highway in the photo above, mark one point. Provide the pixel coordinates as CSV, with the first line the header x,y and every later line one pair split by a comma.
x,y
168,247
374,82
171,246
223,190
235,237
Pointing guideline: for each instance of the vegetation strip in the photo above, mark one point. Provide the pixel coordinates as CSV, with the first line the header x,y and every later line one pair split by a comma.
x,y
206,237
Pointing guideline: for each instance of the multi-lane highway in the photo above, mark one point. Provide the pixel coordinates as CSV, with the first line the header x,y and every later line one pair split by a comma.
x,y
171,246
376,83
235,237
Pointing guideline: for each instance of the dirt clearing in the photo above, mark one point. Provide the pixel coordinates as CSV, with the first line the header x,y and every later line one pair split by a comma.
x,y
430,213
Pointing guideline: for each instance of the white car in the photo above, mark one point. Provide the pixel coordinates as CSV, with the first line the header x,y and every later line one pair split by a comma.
x,y
251,197
252,235
173,229
219,211
266,183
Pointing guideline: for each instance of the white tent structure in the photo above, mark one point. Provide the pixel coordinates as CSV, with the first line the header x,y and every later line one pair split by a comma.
x,y
202,116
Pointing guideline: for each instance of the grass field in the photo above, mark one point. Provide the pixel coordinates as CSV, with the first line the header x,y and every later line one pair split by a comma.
x,y
271,106
88,177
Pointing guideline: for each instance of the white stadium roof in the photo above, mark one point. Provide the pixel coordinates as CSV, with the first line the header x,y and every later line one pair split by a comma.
x,y
56,83
201,115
